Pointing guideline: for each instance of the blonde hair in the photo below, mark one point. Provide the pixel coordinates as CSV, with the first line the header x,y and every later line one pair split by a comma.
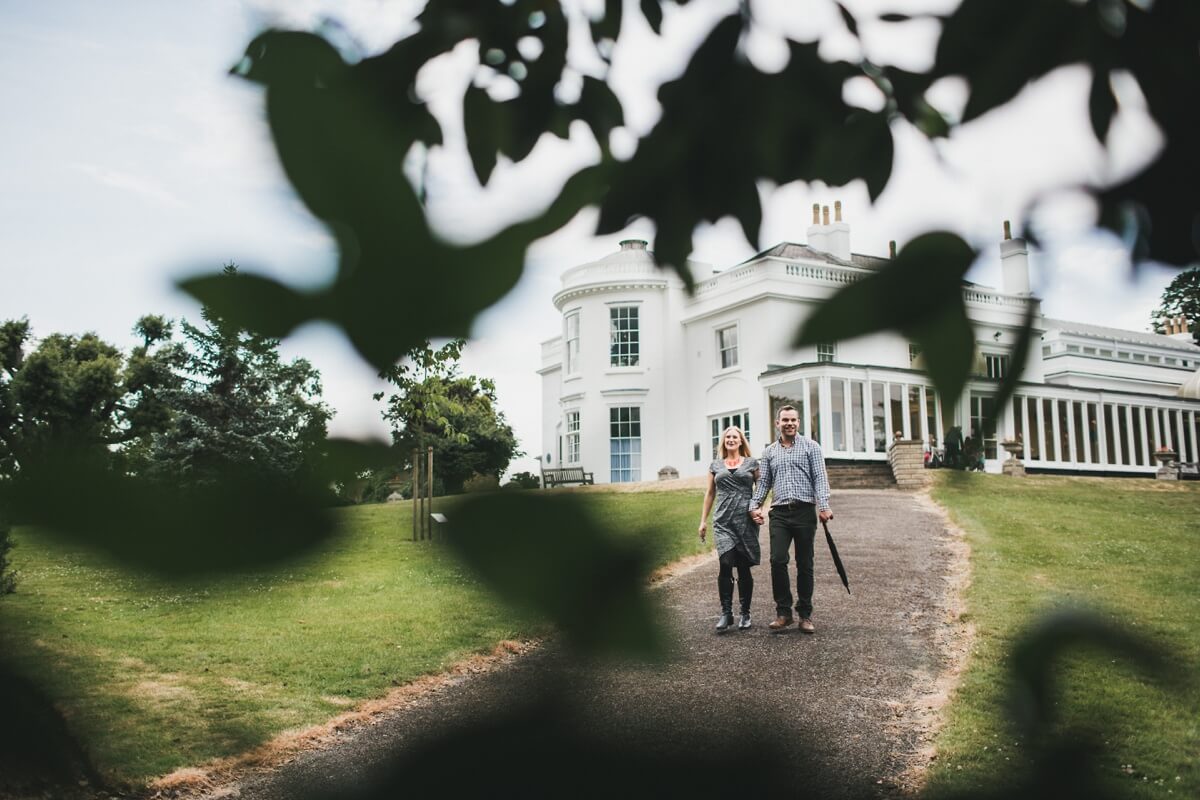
x,y
743,448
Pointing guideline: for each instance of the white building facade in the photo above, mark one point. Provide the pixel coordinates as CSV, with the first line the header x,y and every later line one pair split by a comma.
x,y
644,376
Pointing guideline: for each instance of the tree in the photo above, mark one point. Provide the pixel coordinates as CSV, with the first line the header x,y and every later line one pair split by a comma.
x,y
1181,298
456,415
82,392
238,409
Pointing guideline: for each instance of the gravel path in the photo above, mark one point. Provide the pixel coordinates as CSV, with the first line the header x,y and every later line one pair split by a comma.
x,y
842,714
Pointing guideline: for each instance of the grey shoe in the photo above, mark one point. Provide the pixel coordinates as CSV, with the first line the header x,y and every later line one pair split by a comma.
x,y
744,622
725,622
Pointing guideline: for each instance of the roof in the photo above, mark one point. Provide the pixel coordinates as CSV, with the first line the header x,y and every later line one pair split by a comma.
x,y
795,251
1103,332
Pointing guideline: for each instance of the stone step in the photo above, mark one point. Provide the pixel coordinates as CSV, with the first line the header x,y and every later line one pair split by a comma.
x,y
860,475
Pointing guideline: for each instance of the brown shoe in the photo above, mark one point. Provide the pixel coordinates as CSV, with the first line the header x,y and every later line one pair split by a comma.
x,y
806,625
779,624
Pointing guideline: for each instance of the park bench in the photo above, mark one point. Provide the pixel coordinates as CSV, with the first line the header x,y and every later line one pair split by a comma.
x,y
564,475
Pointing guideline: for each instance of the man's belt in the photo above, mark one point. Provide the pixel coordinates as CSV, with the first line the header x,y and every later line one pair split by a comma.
x,y
793,504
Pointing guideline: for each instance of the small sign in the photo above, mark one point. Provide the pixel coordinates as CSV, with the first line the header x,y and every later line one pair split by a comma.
x,y
438,517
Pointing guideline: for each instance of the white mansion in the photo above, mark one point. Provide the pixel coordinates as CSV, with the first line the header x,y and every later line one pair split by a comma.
x,y
644,376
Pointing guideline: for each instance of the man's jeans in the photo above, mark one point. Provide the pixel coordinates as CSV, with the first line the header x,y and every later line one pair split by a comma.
x,y
794,523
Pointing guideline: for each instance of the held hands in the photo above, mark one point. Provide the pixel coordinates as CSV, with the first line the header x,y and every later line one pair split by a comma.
x,y
757,516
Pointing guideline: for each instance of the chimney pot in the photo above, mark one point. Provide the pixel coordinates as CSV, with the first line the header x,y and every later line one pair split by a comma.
x,y
892,248
837,210
816,213
633,244
825,214
1007,229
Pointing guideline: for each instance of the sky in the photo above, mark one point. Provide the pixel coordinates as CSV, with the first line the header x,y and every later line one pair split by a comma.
x,y
130,158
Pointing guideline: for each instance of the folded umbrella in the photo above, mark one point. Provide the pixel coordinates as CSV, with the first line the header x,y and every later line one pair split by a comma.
x,y
837,560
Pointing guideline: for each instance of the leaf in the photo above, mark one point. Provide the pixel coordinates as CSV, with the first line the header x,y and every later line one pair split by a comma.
x,y
482,118
274,309
608,27
1040,647
652,11
893,17
548,555
918,294
697,165
848,19
1101,105
244,522
1000,47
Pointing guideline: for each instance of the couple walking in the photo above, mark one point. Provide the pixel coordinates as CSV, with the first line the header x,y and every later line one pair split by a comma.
x,y
793,468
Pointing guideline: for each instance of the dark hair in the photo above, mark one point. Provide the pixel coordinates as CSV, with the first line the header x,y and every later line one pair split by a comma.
x,y
782,409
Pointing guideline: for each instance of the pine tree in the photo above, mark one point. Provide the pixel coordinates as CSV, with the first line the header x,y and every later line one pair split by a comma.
x,y
240,410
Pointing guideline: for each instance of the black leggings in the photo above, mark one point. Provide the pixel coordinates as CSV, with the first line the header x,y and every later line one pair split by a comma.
x,y
745,581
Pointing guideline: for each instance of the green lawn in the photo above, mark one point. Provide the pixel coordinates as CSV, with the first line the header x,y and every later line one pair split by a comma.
x,y
153,675
1130,549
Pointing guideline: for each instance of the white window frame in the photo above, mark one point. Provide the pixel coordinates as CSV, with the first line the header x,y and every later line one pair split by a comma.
x,y
632,354
633,473
723,348
571,343
717,424
996,365
572,454
826,352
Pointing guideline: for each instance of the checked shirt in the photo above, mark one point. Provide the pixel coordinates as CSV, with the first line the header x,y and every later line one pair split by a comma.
x,y
796,473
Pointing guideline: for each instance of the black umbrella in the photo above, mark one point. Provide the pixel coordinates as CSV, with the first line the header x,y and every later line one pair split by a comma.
x,y
837,560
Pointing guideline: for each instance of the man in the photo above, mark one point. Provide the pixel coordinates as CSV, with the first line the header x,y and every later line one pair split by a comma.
x,y
794,468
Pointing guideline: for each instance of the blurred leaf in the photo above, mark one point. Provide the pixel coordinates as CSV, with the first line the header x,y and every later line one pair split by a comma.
x,y
547,554
1039,648
36,745
608,27
483,119
652,11
725,126
655,758
1157,212
275,309
345,160
243,522
1000,47
918,294
1101,105
895,17
848,19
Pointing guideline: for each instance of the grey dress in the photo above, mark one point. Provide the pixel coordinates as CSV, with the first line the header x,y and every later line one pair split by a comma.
x,y
732,526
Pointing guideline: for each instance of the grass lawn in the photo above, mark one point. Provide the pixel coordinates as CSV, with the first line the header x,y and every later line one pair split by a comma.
x,y
154,675
1129,548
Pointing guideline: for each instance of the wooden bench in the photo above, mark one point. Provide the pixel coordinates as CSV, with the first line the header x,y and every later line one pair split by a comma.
x,y
564,475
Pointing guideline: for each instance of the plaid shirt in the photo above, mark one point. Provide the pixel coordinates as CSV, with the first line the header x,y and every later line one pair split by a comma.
x,y
795,473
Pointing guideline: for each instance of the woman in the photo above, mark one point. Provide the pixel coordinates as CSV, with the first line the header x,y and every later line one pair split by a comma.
x,y
731,480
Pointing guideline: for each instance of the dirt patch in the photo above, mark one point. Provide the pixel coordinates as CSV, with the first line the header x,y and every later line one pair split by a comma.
x,y
923,710
216,778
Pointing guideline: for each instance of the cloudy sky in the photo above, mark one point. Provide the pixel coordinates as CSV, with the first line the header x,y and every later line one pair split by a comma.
x,y
130,158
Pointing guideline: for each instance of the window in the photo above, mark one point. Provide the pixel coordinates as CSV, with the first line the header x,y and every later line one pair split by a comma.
x,y
625,444
1170,360
1072,348
572,437
1089,351
995,366
727,346
914,350
1139,356
826,352
1154,359
718,425
572,342
1045,350
1106,353
623,336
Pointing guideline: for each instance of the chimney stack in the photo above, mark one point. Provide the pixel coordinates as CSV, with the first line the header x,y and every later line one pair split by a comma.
x,y
892,248
829,237
1014,264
